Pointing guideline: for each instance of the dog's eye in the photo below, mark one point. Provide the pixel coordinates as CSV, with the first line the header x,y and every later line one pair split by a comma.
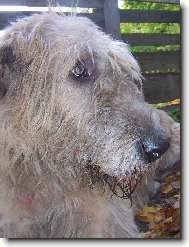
x,y
80,71
2,90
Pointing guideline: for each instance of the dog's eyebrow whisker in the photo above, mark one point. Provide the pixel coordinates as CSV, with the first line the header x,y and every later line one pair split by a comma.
x,y
121,179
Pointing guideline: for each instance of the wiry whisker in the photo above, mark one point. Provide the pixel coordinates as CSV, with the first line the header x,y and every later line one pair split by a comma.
x,y
121,186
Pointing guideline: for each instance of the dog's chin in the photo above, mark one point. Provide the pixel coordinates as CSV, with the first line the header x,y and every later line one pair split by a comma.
x,y
122,185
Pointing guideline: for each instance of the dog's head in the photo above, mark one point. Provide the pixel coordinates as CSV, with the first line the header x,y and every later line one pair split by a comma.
x,y
71,99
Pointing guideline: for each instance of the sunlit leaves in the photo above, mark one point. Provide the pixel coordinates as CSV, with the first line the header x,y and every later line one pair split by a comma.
x,y
163,28
174,112
163,218
149,5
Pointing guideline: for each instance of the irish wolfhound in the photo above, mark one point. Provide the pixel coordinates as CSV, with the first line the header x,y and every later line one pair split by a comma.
x,y
76,135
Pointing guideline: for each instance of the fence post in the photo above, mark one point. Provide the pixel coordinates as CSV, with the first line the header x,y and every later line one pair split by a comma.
x,y
112,18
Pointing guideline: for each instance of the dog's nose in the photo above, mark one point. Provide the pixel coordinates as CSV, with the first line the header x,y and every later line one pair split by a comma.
x,y
155,149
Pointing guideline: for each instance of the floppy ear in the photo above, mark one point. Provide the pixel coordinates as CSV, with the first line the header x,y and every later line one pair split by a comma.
x,y
3,89
7,56
7,60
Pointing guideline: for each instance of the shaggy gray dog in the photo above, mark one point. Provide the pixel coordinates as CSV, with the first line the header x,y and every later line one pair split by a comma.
x,y
76,135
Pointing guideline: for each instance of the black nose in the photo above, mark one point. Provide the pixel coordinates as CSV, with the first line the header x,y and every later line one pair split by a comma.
x,y
155,149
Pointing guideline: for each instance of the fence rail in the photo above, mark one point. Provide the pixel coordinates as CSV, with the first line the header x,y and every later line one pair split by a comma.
x,y
160,69
161,87
109,22
149,16
62,3
151,39
70,3
163,62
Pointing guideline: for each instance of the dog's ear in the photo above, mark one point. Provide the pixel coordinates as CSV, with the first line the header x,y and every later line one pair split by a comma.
x,y
7,61
3,89
7,57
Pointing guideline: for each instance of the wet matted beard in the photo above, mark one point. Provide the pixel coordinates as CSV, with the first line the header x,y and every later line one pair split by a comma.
x,y
121,186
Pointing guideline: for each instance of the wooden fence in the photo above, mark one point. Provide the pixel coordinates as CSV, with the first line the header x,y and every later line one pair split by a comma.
x,y
161,70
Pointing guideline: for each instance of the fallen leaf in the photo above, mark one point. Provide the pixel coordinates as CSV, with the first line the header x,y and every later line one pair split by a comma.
x,y
176,204
163,218
168,220
147,209
158,218
166,189
175,102
177,196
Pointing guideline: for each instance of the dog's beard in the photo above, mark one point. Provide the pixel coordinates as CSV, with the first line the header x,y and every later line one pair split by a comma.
x,y
121,186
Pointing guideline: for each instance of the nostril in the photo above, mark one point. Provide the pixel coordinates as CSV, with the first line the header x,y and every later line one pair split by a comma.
x,y
155,149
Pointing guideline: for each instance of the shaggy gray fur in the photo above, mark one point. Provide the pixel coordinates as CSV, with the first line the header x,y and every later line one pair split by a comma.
x,y
73,117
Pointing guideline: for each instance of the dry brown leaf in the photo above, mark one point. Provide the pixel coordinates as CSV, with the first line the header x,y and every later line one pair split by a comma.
x,y
168,220
158,218
163,220
166,188
147,209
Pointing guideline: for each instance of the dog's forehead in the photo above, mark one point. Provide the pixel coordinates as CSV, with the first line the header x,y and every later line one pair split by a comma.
x,y
77,24
78,29
60,30
78,33
67,37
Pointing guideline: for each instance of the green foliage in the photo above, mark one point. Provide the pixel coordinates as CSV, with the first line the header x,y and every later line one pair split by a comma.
x,y
149,5
166,28
175,114
154,48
